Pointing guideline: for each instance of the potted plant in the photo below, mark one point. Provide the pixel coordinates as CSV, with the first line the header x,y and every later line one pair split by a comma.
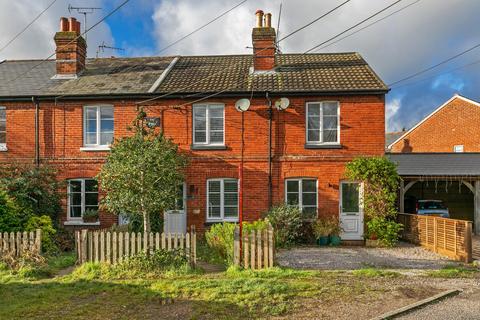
x,y
90,215
321,229
335,230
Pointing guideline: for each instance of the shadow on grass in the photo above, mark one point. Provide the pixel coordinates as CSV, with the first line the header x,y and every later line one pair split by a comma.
x,y
85,299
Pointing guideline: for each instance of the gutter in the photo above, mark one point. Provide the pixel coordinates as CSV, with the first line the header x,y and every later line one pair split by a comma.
x,y
185,95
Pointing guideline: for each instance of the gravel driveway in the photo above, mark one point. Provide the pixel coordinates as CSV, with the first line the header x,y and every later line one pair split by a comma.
x,y
404,256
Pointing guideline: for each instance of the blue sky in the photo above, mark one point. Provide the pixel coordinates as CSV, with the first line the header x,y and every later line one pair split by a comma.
x,y
421,35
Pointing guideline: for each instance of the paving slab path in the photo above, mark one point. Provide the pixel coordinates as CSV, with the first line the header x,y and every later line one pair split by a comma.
x,y
404,256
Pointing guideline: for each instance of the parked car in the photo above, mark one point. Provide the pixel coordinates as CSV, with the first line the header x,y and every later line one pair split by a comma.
x,y
432,208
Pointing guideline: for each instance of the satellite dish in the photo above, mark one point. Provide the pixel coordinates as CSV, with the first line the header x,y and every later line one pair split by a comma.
x,y
242,105
282,104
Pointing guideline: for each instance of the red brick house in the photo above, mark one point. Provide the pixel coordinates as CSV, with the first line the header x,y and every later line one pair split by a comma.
x,y
65,113
439,158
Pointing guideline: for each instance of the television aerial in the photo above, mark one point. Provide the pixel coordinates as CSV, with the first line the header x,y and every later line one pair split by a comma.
x,y
282,103
242,105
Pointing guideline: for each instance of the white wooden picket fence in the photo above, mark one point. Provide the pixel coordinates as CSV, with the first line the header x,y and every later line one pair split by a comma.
x,y
113,247
257,249
17,243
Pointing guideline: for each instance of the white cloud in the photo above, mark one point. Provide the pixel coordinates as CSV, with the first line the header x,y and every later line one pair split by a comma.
x,y
37,42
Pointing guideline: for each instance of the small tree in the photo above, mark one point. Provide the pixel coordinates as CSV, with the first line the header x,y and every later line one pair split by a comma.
x,y
142,173
380,179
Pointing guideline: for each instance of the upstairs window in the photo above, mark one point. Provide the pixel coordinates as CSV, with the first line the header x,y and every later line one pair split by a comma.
x,y
222,200
3,128
82,196
302,193
458,148
323,123
208,124
98,126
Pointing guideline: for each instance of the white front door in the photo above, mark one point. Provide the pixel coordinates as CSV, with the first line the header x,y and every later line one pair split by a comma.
x,y
351,210
175,221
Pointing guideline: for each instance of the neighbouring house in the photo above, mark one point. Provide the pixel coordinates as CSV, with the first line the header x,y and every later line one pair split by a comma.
x,y
439,159
66,112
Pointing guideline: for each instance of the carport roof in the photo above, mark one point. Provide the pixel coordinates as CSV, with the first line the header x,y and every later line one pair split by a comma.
x,y
437,164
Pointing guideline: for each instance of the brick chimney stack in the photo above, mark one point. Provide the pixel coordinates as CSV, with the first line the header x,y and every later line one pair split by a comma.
x,y
264,42
71,51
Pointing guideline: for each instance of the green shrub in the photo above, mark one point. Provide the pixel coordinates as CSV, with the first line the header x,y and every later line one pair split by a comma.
x,y
34,188
220,239
65,240
258,225
287,224
386,231
12,216
45,224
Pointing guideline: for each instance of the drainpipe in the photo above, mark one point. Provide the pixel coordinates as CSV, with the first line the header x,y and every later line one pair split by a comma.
x,y
270,116
37,131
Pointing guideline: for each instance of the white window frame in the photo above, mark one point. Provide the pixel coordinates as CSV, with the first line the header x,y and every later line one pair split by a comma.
x,y
207,124
3,145
308,142
222,204
300,200
458,148
99,121
82,180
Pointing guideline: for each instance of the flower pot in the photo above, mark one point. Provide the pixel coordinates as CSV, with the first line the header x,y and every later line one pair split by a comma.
x,y
90,219
323,241
335,240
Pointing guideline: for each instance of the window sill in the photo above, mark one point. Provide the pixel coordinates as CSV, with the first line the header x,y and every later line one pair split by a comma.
x,y
323,146
95,149
208,147
80,223
3,147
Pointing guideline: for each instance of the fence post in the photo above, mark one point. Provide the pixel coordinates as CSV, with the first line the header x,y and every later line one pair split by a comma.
x,y
468,241
271,244
114,247
259,249
39,240
246,247
236,246
188,249
194,236
120,246
435,237
127,244
265,248
145,243
95,245
84,246
252,249
109,246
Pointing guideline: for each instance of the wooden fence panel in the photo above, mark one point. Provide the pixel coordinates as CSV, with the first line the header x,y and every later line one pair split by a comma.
x,y
113,247
254,250
449,237
16,243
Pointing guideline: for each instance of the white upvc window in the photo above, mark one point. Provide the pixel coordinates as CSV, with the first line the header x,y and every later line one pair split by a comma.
x,y
458,148
209,124
323,122
82,196
3,129
302,192
98,126
222,200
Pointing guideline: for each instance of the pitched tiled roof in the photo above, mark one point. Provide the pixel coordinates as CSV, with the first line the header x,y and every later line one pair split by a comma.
x,y
437,164
327,73
391,137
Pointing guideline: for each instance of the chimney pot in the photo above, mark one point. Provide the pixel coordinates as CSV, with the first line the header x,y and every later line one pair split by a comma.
x,y
259,15
77,27
63,24
268,20
72,24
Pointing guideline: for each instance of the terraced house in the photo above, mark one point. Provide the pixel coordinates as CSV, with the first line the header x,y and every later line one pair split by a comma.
x,y
67,111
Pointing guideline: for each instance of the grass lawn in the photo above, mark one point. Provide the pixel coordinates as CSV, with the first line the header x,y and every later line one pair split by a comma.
x,y
90,293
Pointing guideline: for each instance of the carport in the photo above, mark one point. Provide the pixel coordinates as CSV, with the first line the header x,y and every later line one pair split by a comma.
x,y
453,178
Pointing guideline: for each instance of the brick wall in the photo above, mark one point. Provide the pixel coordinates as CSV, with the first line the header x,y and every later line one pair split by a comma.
x,y
61,137
457,123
